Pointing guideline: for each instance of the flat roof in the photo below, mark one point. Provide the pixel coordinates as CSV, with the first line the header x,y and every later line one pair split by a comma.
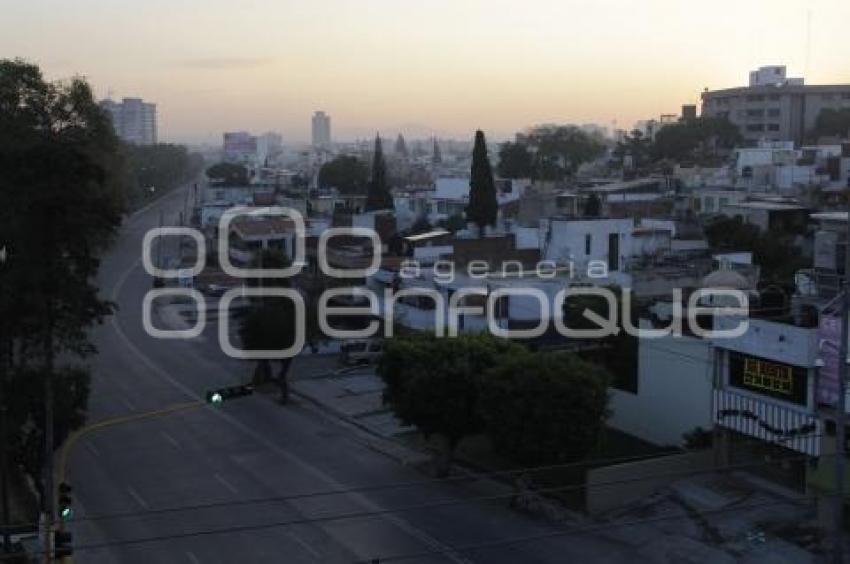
x,y
769,206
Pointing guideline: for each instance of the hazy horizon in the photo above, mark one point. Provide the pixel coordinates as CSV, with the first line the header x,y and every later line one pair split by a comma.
x,y
446,69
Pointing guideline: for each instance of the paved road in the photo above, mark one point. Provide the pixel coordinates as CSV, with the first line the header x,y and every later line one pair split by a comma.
x,y
248,449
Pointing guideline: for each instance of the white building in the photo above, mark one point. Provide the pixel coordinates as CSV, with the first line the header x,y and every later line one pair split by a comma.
x,y
134,120
321,129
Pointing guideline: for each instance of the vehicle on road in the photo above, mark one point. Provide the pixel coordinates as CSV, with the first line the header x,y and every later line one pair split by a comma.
x,y
361,351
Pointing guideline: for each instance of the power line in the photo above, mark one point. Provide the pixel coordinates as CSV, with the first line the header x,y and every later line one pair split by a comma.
x,y
413,507
405,556
415,483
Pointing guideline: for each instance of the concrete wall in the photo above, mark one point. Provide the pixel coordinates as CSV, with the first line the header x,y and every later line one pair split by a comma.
x,y
612,487
675,383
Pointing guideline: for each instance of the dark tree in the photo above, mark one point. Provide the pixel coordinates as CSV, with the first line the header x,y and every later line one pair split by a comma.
x,y
483,208
63,185
346,173
400,146
832,123
544,408
560,149
515,161
378,197
435,384
436,155
269,323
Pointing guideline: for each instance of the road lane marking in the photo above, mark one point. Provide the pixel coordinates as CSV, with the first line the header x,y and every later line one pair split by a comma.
x,y
135,495
399,522
170,439
225,483
192,558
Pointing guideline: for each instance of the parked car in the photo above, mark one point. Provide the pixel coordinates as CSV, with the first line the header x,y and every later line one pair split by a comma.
x,y
361,351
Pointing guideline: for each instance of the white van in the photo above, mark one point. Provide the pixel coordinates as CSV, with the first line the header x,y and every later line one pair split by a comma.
x,y
361,351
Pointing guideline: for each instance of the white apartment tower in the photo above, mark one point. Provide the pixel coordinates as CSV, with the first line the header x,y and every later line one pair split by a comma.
x,y
134,120
321,129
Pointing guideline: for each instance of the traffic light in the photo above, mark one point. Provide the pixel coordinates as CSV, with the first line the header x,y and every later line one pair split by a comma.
x,y
216,397
66,512
62,544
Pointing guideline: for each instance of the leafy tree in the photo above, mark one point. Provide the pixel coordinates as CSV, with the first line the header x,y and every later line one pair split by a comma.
x,y
544,408
560,149
434,383
515,161
162,166
378,197
775,252
26,414
62,194
346,173
483,208
269,323
695,138
636,146
228,174
832,123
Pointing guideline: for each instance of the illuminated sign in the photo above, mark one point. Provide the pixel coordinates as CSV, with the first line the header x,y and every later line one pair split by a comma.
x,y
767,377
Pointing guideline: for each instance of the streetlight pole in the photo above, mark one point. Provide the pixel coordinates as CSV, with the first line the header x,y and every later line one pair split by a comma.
x,y
840,416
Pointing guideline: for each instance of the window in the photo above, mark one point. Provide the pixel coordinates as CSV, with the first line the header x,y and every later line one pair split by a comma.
x,y
755,113
411,204
755,127
773,97
441,206
846,96
773,127
724,202
587,241
708,204
755,98
774,112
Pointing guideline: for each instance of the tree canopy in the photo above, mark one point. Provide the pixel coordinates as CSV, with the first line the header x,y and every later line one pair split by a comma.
x,y
558,150
346,173
832,123
515,161
434,383
544,408
63,187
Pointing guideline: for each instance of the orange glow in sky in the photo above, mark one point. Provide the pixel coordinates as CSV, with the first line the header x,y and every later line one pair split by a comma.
x,y
444,66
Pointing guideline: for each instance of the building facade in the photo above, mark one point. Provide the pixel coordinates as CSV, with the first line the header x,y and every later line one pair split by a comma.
x,y
134,120
321,129
774,107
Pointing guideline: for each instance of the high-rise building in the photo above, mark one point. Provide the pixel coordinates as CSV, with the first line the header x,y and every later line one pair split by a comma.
x,y
134,120
240,147
774,107
321,129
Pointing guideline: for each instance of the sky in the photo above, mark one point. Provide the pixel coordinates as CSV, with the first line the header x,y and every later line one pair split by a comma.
x,y
445,67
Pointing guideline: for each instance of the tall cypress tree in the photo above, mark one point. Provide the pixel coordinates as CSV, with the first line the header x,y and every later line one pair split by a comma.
x,y
436,155
483,207
378,197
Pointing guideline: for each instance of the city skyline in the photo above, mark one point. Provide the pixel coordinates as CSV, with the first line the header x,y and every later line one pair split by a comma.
x,y
378,68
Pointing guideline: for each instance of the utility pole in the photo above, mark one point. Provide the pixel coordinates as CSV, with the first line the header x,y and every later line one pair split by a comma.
x,y
840,435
